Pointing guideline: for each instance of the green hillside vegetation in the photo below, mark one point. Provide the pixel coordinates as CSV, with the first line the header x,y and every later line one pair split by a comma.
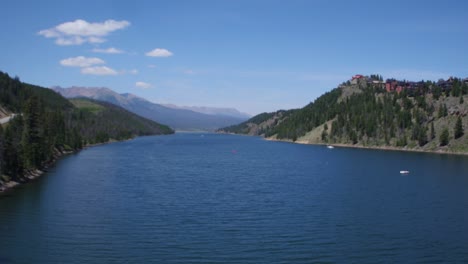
x,y
47,125
258,124
98,121
427,116
87,105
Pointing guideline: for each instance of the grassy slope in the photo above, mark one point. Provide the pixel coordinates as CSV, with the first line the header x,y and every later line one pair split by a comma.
x,y
105,119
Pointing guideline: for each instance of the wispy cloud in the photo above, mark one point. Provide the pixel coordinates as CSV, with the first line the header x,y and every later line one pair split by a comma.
x,y
99,70
80,31
88,66
158,52
81,61
143,85
111,50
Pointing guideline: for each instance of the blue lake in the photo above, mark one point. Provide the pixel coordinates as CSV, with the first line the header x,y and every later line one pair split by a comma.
x,y
208,198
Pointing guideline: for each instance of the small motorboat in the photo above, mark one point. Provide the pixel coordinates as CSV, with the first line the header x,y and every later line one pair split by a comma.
x,y
404,172
330,147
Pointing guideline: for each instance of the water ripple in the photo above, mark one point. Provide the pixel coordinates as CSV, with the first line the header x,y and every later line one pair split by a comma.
x,y
191,199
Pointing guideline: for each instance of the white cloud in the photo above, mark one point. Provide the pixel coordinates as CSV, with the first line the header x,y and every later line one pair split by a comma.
x,y
111,50
98,70
96,40
143,85
80,31
159,53
69,41
134,71
81,61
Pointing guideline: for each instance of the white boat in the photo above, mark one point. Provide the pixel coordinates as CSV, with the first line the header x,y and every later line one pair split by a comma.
x,y
330,147
404,172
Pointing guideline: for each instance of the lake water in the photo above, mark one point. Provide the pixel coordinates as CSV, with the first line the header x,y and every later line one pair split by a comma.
x,y
193,198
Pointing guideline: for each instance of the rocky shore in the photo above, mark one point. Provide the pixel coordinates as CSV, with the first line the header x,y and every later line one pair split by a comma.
x,y
7,184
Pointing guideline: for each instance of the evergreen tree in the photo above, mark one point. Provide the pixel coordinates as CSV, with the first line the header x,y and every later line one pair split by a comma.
x,y
443,112
456,88
31,136
12,152
402,141
422,137
1,150
432,131
436,92
458,128
324,136
444,137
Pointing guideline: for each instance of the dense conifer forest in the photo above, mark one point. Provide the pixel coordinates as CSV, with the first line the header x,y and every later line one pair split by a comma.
x,y
44,125
366,111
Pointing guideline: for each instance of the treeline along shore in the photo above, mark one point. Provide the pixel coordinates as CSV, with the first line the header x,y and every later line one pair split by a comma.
x,y
39,126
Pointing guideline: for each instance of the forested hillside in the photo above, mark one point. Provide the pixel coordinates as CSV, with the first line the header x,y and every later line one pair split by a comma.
x,y
258,124
101,121
366,111
45,125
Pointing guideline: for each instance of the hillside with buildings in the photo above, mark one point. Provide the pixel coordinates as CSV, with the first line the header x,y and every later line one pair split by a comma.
x,y
368,111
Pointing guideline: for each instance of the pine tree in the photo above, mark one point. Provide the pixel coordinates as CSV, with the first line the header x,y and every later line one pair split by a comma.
x,y
432,131
442,111
436,92
31,137
324,135
458,128
12,154
402,141
422,136
1,149
444,137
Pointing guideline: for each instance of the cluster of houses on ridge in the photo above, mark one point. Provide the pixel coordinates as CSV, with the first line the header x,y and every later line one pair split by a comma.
x,y
393,85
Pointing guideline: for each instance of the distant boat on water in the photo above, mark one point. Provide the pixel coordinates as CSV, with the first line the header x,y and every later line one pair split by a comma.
x,y
404,172
330,147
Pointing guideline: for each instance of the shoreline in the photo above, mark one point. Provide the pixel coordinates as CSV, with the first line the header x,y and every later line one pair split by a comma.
x,y
32,175
383,148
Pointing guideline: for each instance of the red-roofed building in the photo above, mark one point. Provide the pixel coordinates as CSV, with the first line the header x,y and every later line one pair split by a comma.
x,y
357,76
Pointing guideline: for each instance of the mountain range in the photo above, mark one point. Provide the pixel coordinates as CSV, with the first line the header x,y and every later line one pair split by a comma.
x,y
179,118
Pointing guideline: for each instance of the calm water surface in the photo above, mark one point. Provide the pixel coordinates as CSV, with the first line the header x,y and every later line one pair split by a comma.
x,y
192,198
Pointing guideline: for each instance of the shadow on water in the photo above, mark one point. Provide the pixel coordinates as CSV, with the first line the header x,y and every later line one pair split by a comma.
x,y
4,260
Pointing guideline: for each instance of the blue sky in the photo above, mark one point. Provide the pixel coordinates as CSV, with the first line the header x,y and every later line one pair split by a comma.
x,y
255,56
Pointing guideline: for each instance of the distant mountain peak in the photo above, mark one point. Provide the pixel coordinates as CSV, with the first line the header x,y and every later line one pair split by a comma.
x,y
220,111
190,118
